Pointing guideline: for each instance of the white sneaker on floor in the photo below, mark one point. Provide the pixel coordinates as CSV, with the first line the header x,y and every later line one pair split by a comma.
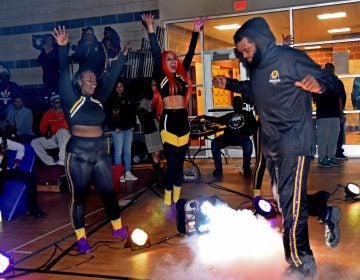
x,y
122,179
129,176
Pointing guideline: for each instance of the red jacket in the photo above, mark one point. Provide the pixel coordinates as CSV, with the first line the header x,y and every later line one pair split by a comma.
x,y
56,120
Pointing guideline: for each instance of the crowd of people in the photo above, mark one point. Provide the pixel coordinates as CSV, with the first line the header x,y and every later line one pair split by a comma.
x,y
96,97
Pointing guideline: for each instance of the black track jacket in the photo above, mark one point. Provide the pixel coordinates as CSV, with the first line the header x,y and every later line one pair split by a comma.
x,y
284,109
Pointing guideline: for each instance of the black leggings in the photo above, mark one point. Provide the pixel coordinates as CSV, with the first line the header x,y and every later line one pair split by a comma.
x,y
86,162
175,157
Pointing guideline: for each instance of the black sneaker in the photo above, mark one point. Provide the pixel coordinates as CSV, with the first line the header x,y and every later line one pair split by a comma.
x,y
324,163
217,172
332,230
341,157
333,162
300,272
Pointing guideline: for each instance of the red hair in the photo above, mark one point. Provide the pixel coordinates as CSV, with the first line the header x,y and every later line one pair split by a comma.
x,y
173,83
157,103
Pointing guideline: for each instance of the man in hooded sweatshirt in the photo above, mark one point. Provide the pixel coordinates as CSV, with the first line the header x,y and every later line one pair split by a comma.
x,y
280,86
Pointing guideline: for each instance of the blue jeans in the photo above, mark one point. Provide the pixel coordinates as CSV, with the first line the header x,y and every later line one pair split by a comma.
x,y
225,140
122,143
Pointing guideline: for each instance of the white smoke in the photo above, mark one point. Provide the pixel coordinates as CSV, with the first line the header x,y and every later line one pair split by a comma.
x,y
238,246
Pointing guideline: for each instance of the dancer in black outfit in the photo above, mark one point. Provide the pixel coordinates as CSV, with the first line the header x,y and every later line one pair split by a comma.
x,y
86,158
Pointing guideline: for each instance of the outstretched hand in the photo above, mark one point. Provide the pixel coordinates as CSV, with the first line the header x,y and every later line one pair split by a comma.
x,y
199,22
288,39
219,81
126,48
309,83
61,36
148,20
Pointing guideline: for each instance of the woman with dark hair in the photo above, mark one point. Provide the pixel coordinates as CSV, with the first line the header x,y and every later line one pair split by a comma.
x,y
121,119
175,89
86,159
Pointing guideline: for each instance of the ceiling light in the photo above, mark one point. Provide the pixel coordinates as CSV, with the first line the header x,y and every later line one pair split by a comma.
x,y
332,15
227,26
339,30
312,47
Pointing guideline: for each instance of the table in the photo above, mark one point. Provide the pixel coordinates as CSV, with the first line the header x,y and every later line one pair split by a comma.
x,y
193,173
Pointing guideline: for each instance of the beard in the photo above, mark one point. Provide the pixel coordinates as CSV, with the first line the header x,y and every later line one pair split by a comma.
x,y
255,61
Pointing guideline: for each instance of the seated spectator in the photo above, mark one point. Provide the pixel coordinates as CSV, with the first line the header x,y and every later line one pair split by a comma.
x,y
49,61
8,91
14,174
240,125
21,121
90,53
56,134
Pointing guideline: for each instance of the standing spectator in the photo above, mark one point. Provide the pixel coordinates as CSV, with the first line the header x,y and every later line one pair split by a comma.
x,y
328,113
150,123
121,121
355,98
21,119
49,61
240,125
86,158
56,134
280,86
111,43
8,91
15,174
341,139
90,53
175,89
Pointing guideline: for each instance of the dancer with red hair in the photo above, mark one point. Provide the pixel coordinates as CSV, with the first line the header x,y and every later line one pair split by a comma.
x,y
175,88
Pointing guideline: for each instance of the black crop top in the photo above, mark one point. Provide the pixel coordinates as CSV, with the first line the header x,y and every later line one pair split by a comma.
x,y
160,76
82,109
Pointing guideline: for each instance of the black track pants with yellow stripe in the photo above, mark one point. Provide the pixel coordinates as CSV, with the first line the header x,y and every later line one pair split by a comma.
x,y
289,182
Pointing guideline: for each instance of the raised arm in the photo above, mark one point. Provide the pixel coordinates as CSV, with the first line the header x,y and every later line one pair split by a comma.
x,y
66,90
198,24
108,84
148,21
242,87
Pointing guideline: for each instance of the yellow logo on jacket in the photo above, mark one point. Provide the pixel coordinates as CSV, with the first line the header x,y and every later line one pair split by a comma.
x,y
274,77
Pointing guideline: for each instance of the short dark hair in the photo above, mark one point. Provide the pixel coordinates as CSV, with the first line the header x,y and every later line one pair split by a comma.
x,y
330,65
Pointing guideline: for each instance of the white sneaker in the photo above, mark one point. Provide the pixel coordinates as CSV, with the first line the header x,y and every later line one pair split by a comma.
x,y
122,179
129,176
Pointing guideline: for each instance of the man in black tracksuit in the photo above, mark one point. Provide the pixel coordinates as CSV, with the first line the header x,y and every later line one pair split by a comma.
x,y
281,82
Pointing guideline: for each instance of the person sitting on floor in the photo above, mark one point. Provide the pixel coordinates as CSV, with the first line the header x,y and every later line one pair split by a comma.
x,y
17,175
240,125
54,127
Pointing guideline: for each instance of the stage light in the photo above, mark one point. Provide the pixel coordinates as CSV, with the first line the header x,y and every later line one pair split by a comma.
x,y
351,191
138,239
192,216
6,263
263,207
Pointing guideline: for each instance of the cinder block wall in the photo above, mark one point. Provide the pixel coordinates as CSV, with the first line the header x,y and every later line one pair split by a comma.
x,y
20,19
